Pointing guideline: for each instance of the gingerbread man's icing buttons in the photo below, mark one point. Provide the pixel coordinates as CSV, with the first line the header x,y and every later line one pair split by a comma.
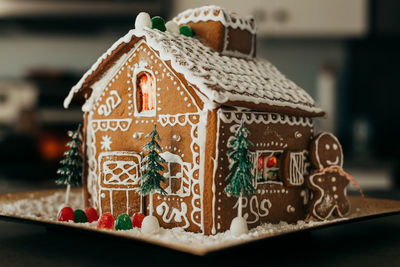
x,y
328,196
326,151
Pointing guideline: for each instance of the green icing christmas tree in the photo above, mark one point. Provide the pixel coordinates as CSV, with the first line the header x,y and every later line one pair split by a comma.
x,y
240,178
70,172
151,168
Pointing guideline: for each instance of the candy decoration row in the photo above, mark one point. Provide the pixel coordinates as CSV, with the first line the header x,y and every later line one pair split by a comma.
x,y
123,222
79,216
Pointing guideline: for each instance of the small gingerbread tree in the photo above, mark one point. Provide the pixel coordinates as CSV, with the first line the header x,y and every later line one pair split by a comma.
x,y
71,165
240,177
151,178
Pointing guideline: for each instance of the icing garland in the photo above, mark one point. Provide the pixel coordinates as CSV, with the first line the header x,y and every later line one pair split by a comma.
x,y
111,124
229,116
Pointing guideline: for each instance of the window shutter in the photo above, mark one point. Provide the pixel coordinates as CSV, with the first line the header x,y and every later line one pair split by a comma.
x,y
293,168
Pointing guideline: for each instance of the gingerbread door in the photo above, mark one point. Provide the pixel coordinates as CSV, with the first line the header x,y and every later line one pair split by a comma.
x,y
119,173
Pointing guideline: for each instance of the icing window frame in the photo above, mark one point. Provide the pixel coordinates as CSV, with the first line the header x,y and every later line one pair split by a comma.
x,y
139,97
180,178
265,155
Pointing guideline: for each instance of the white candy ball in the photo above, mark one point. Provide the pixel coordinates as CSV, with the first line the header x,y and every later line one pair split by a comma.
x,y
150,225
239,226
172,27
143,20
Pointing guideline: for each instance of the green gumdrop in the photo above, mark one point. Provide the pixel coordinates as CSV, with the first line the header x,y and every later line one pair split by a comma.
x,y
185,30
80,216
158,23
123,222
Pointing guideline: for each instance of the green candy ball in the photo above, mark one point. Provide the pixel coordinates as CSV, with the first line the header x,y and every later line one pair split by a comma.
x,y
186,30
158,23
123,222
80,216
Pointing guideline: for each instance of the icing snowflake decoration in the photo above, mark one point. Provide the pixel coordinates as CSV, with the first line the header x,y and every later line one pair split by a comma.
x,y
106,143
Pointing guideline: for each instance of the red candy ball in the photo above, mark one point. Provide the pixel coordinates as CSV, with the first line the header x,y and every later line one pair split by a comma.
x,y
66,214
106,221
91,214
137,220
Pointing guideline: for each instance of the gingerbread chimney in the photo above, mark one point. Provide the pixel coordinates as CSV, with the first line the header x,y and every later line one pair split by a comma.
x,y
223,31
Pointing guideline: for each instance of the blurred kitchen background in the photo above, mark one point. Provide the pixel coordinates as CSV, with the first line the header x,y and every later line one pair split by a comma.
x,y
345,53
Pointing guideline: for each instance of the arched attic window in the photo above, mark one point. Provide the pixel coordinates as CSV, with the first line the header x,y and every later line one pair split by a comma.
x,y
145,94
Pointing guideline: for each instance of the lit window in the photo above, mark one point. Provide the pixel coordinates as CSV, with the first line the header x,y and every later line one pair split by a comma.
x,y
268,166
145,93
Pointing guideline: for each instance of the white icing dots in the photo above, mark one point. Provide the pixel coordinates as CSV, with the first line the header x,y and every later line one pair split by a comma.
x,y
333,179
327,146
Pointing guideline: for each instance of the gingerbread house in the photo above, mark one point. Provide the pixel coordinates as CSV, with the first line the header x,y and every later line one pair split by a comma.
x,y
197,90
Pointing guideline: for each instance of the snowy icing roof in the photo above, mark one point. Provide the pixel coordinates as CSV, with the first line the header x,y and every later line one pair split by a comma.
x,y
224,80
216,13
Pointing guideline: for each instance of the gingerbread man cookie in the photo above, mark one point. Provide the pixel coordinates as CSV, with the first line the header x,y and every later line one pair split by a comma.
x,y
326,181
326,151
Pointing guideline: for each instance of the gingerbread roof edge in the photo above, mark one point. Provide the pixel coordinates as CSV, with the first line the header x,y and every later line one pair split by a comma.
x,y
254,84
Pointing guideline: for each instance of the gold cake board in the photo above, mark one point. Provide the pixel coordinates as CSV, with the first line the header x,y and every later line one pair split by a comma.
x,y
359,212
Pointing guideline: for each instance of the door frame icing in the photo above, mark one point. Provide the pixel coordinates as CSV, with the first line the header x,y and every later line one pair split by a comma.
x,y
108,186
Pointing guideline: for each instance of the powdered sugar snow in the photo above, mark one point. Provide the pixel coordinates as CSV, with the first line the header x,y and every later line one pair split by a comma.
x,y
46,208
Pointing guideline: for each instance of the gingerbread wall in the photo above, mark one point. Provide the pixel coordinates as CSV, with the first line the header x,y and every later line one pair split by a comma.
x,y
276,200
116,133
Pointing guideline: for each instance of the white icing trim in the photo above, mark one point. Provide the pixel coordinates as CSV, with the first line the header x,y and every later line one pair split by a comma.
x,y
250,117
125,39
215,168
201,142
175,119
206,13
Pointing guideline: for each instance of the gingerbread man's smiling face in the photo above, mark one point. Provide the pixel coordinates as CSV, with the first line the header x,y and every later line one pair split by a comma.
x,y
326,151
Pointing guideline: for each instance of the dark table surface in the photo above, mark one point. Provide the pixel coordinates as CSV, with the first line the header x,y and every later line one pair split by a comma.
x,y
369,243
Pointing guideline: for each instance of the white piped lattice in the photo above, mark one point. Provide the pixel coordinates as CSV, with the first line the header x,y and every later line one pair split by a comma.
x,y
121,172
